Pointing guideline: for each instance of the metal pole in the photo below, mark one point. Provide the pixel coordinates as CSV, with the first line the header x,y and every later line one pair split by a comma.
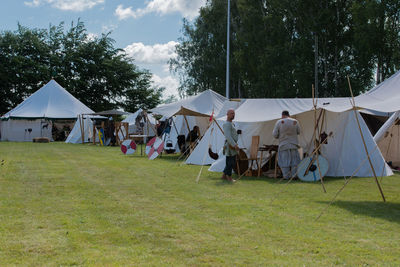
x,y
228,47
316,64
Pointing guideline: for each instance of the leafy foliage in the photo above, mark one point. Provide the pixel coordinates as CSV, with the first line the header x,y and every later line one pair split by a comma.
x,y
99,75
273,47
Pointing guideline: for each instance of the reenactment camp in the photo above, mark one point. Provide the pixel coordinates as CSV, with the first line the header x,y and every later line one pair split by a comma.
x,y
199,133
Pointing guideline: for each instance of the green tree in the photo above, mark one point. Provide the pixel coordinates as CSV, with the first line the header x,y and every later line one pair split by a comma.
x,y
92,69
273,47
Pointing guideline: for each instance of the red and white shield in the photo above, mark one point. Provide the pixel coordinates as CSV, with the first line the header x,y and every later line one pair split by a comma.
x,y
128,147
154,147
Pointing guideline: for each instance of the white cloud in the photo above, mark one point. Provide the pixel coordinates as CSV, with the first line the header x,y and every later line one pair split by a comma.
x,y
188,8
91,36
69,5
34,3
170,83
152,54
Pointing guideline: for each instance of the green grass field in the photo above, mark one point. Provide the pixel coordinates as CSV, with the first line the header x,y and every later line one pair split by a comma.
x,y
66,204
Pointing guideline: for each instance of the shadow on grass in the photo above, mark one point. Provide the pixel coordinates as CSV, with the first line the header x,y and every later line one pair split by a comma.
x,y
172,157
375,209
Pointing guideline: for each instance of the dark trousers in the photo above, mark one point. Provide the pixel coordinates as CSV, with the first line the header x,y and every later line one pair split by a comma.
x,y
230,162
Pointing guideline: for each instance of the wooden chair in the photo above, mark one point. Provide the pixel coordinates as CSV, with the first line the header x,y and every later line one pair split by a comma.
x,y
253,157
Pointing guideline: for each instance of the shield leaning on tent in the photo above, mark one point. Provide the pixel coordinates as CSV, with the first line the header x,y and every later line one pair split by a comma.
x,y
312,169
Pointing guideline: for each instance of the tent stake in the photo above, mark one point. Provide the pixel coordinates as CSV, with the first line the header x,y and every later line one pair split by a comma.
x,y
362,137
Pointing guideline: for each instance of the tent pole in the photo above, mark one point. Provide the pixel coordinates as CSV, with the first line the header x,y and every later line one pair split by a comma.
x,y
80,125
362,138
315,132
148,122
222,131
94,133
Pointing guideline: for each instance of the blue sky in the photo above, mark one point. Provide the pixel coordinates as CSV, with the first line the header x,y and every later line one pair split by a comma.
x,y
147,29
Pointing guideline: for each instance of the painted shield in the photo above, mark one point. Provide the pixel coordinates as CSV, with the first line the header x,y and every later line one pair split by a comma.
x,y
154,148
128,147
311,169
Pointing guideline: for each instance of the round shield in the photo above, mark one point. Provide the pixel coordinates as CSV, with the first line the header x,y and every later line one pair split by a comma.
x,y
128,147
311,169
154,148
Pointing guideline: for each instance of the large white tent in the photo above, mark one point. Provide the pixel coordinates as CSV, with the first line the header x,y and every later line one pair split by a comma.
x,y
344,151
33,117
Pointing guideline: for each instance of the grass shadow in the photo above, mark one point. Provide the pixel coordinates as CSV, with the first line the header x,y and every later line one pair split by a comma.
x,y
376,209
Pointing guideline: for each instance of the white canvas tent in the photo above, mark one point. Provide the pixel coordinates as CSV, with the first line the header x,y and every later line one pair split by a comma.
x,y
33,117
385,98
344,151
191,111
202,104
388,139
148,126
212,138
75,136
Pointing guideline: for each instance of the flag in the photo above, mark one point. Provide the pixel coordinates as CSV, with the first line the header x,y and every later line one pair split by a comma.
x,y
211,117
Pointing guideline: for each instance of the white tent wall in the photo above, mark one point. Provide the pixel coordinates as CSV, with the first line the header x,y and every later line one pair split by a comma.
x,y
75,136
344,151
212,137
148,129
179,127
388,139
50,102
25,130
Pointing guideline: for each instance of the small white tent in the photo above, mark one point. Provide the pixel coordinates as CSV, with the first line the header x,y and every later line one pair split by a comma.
x,y
75,136
212,138
344,151
148,126
203,104
33,117
189,112
388,139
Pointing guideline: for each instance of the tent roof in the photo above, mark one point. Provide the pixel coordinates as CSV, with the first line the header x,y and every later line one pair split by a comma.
x,y
202,104
112,112
51,101
131,119
385,97
266,109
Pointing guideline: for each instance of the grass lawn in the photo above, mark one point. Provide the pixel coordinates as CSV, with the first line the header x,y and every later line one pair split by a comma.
x,y
64,204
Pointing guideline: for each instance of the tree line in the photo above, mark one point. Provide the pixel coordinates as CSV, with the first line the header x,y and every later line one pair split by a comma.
x,y
90,68
275,44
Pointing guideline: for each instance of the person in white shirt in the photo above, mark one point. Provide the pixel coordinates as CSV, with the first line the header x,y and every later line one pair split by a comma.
x,y
231,147
286,130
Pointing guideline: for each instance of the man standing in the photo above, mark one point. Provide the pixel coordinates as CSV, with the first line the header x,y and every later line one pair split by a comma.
x,y
230,147
286,130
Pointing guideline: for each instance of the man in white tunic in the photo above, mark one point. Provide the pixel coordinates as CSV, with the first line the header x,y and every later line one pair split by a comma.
x,y
286,130
230,147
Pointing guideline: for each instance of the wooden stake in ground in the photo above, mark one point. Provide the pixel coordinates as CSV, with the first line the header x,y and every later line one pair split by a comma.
x,y
362,138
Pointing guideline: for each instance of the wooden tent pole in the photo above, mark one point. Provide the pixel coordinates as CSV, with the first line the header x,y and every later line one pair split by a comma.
x,y
362,138
222,131
94,133
148,122
81,126
315,136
